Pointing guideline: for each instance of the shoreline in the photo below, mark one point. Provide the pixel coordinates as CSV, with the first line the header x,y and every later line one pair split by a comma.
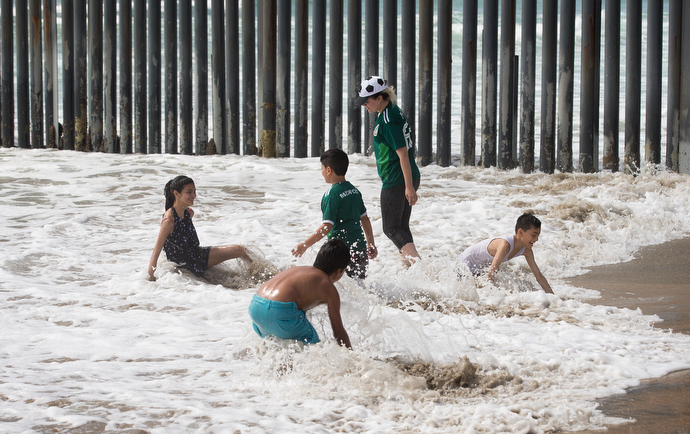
x,y
657,282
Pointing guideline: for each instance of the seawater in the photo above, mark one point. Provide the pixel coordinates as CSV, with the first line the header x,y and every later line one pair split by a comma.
x,y
89,343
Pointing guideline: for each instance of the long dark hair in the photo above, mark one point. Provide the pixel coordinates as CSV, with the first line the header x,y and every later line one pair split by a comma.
x,y
176,184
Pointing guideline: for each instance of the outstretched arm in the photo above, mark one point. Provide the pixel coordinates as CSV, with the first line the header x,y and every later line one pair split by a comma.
x,y
529,256
321,232
339,332
167,227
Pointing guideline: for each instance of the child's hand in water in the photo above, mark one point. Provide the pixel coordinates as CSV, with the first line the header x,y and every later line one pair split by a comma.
x,y
152,278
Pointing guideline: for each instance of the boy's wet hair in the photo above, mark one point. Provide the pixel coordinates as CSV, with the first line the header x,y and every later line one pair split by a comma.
x,y
333,256
337,160
526,222
176,184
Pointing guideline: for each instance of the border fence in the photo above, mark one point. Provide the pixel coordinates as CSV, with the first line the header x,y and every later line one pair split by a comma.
x,y
120,57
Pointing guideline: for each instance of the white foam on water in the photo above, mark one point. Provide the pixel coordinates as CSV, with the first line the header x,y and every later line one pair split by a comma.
x,y
89,342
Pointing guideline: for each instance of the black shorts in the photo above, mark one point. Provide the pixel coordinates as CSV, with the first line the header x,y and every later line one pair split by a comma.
x,y
395,214
359,261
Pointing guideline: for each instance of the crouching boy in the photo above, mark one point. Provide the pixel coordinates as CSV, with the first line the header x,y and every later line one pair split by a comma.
x,y
488,255
279,306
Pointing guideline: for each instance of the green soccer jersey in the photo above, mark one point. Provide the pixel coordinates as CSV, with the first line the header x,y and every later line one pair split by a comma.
x,y
392,132
343,207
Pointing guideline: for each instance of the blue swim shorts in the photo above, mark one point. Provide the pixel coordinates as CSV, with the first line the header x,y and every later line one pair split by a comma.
x,y
282,320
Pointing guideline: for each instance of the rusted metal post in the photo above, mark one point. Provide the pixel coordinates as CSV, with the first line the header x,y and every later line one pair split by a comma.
x,y
527,84
514,86
154,76
674,67
268,74
489,83
505,142
249,78
139,47
597,83
220,120
171,76
390,42
655,24
371,62
683,154
36,75
283,43
566,79
1,83
547,154
81,115
468,111
95,105
318,89
259,69
186,108
51,73
125,77
612,44
110,75
426,67
633,84
7,75
354,75
232,74
407,85
445,24
200,75
335,100
301,72
68,85
1,67
589,91
23,101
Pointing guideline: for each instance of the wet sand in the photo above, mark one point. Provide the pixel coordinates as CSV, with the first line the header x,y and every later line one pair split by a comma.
x,y
658,282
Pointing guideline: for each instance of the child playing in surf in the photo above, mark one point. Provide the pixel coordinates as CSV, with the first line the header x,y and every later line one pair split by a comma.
x,y
178,236
278,308
344,215
488,255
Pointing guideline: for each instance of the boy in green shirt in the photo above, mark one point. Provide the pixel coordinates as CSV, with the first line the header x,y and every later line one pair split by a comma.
x,y
344,215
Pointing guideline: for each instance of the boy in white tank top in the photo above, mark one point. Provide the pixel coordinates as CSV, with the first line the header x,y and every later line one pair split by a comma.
x,y
490,253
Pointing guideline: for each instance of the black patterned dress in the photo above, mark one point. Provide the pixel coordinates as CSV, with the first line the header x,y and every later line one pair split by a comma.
x,y
182,245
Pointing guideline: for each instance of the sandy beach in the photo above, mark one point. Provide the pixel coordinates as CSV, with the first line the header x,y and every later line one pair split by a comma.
x,y
656,282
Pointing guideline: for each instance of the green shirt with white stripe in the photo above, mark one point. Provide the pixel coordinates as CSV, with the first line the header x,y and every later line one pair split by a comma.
x,y
392,132
342,206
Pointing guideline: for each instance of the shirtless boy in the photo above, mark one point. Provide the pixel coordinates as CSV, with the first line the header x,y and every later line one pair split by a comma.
x,y
490,253
279,306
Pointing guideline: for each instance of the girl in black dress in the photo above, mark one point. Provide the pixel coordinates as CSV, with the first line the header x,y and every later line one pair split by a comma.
x,y
178,237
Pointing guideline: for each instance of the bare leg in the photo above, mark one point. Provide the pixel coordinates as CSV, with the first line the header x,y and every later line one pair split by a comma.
x,y
223,253
409,251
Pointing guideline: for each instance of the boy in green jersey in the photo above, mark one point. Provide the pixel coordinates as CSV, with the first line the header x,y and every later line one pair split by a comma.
x,y
344,215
